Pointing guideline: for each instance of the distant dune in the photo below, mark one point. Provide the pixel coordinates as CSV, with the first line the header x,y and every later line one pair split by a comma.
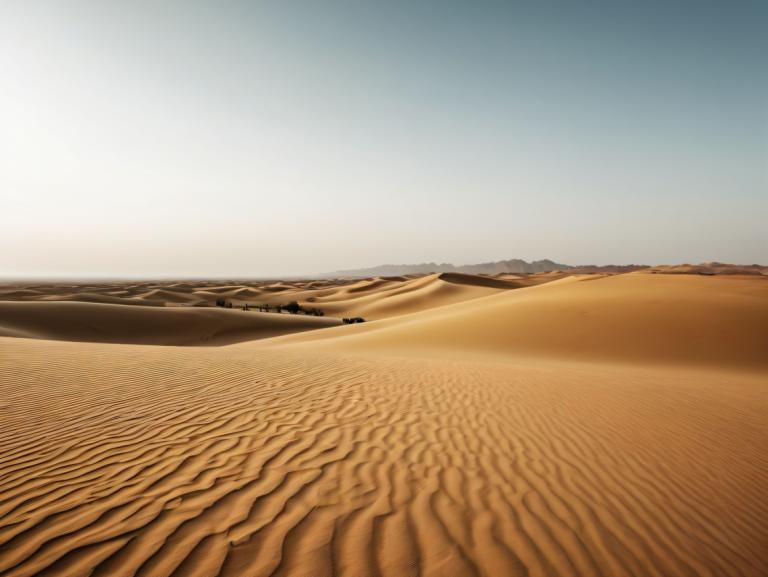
x,y
108,323
631,318
376,299
90,297
711,268
516,425
475,280
373,298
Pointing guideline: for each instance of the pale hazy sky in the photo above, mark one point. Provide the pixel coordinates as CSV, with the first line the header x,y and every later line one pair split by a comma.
x,y
266,138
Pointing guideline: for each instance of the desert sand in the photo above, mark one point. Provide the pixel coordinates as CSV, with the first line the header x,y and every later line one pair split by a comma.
x,y
540,425
109,323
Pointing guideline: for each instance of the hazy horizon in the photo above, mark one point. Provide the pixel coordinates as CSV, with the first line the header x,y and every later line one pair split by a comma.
x,y
267,139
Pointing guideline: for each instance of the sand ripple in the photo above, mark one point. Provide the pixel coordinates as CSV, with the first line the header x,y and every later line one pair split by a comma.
x,y
128,460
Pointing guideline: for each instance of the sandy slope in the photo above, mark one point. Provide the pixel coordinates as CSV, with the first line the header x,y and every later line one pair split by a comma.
x,y
108,323
242,461
609,427
640,318
373,300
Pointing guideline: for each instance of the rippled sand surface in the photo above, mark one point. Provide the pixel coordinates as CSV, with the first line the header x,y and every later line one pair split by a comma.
x,y
406,447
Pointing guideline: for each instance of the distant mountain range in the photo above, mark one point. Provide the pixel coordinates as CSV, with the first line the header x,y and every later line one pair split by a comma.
x,y
514,265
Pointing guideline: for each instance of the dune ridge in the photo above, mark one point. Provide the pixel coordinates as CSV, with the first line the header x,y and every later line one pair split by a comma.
x,y
368,297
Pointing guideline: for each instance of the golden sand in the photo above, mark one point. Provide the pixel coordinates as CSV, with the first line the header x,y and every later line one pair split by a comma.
x,y
589,426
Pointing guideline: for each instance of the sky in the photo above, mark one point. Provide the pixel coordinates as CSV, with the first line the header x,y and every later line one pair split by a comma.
x,y
234,138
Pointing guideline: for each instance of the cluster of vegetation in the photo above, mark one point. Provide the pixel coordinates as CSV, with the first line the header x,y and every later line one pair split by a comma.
x,y
295,308
353,320
292,307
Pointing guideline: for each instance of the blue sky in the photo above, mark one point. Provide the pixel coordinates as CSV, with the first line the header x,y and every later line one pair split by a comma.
x,y
263,138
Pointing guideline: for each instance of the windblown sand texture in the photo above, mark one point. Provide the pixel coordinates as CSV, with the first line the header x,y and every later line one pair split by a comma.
x,y
587,426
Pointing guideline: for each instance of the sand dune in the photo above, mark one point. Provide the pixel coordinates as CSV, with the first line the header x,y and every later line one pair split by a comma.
x,y
384,298
167,296
606,426
88,297
78,321
239,461
413,295
698,321
710,268
337,297
20,293
475,280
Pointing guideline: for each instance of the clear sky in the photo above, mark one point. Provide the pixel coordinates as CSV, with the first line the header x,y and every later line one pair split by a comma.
x,y
265,138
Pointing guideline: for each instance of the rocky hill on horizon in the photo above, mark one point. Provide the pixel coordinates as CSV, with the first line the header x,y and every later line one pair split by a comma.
x,y
514,265
511,266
